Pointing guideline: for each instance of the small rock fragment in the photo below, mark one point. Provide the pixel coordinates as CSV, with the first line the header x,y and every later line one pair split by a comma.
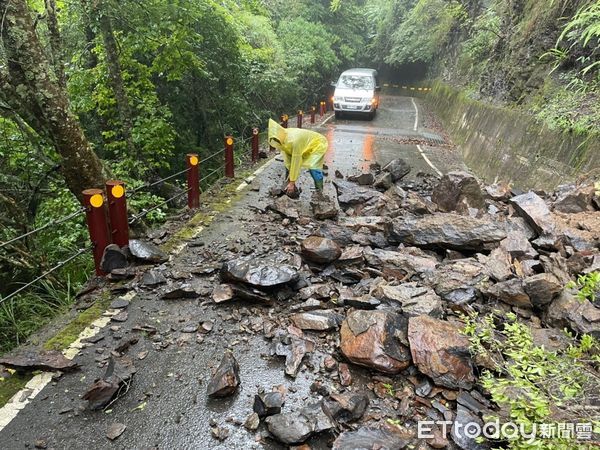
x,y
226,379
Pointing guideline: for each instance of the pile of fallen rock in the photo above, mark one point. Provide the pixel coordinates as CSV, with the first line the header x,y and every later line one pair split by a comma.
x,y
381,280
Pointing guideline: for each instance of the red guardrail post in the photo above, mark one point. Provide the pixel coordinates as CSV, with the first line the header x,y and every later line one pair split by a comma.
x,y
299,119
284,120
313,113
193,180
322,109
254,145
95,215
117,212
330,104
229,172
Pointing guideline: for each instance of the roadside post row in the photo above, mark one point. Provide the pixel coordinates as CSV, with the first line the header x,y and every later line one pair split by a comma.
x,y
411,88
106,209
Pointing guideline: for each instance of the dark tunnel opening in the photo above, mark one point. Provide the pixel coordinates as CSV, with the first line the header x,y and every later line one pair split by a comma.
x,y
411,73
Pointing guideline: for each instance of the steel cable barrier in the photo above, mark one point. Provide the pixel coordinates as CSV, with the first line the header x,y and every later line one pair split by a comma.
x,y
106,209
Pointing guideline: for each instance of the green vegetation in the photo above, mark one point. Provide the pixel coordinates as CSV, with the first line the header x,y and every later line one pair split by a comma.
x,y
531,384
588,286
540,56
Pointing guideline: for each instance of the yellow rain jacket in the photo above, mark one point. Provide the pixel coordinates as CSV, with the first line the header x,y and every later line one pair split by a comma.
x,y
301,149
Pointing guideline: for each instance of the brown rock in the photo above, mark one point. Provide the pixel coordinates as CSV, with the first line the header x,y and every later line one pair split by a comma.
x,y
317,320
440,352
373,339
542,288
320,250
511,292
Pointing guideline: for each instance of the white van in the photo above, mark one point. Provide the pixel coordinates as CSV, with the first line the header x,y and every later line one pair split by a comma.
x,y
356,91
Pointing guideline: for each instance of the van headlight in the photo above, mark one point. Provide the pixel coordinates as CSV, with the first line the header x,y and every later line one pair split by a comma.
x,y
337,99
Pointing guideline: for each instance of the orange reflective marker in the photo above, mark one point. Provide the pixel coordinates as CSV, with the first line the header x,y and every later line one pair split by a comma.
x,y
117,191
97,200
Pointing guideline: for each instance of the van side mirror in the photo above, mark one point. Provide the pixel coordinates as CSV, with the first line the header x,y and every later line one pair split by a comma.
x,y
378,88
334,84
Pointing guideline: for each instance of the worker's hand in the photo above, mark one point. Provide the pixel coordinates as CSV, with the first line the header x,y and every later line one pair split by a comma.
x,y
290,189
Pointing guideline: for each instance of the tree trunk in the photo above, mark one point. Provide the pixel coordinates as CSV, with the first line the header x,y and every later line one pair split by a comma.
x,y
116,79
30,88
56,43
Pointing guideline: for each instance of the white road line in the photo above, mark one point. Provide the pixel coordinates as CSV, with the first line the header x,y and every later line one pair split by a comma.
x,y
428,161
34,386
416,114
328,119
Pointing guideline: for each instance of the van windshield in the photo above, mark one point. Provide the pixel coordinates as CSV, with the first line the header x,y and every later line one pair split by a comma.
x,y
355,82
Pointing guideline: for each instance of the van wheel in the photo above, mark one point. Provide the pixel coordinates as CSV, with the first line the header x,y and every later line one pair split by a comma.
x,y
338,114
372,115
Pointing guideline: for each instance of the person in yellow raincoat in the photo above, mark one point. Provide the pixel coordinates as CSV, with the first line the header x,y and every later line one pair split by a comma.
x,y
301,149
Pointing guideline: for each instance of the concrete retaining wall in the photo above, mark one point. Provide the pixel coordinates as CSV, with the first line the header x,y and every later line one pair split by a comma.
x,y
500,144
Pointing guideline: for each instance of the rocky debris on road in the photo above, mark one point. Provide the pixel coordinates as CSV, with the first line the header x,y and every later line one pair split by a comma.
x,y
375,339
118,376
147,252
226,378
320,250
361,304
440,352
44,360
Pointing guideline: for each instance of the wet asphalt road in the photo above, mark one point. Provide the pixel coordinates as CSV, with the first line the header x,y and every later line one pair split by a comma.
x,y
171,382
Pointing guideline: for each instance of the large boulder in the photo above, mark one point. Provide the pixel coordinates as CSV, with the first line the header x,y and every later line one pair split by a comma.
x,y
375,339
440,352
320,250
531,207
445,230
397,168
567,311
458,191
